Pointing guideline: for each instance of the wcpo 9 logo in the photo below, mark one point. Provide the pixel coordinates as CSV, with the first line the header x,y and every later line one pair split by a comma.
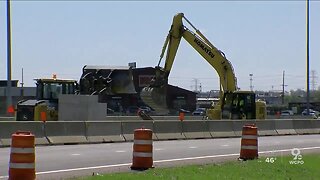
x,y
297,157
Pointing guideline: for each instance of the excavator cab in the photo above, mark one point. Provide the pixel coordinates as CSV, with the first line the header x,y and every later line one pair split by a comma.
x,y
239,105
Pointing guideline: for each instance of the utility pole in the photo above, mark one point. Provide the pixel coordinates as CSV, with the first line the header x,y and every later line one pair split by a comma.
x,y
283,85
307,58
8,91
195,84
251,86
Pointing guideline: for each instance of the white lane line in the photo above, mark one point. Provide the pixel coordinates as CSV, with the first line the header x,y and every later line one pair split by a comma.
x,y
158,149
193,147
121,151
225,145
75,154
160,161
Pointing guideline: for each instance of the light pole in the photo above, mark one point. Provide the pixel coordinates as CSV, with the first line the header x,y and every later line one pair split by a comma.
x,y
308,90
8,91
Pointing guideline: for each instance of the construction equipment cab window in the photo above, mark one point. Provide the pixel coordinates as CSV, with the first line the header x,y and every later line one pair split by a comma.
x,y
51,90
233,104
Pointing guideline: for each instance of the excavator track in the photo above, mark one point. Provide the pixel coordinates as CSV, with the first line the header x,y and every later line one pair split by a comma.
x,y
155,98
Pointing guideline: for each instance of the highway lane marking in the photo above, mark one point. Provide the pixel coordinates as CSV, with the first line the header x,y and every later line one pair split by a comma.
x,y
158,149
161,161
75,154
225,145
193,147
121,151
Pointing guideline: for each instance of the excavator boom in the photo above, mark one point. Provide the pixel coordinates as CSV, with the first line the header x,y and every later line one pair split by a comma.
x,y
155,94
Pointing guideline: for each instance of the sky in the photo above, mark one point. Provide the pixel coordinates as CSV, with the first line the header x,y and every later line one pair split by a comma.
x,y
263,38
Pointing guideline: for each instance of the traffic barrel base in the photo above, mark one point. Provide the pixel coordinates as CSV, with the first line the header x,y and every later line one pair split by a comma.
x,y
142,150
22,156
249,142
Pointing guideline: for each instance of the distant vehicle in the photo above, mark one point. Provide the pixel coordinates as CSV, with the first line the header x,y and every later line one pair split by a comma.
x,y
199,112
286,113
311,111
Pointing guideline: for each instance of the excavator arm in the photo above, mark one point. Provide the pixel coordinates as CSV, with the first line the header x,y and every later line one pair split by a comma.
x,y
202,45
155,94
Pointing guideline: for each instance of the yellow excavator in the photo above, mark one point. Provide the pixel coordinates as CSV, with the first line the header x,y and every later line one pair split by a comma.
x,y
233,104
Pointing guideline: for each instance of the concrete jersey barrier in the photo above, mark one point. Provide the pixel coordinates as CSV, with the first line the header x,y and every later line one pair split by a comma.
x,y
304,126
9,127
266,127
284,127
65,132
98,131
195,129
168,130
317,125
221,128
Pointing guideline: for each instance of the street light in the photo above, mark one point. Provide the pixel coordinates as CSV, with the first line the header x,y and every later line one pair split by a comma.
x,y
307,42
8,92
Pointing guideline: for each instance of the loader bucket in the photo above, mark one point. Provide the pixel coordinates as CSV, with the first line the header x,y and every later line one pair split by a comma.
x,y
107,80
155,97
122,82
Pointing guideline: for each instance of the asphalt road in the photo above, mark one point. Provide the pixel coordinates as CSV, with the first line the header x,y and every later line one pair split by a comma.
x,y
60,162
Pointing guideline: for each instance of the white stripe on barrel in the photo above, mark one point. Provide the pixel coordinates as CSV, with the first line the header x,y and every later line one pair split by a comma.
x,y
141,154
22,165
143,142
22,150
249,136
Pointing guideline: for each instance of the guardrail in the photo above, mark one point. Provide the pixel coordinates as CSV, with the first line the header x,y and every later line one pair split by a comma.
x,y
74,132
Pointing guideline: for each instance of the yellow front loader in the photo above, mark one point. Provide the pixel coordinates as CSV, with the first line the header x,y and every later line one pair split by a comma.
x,y
45,106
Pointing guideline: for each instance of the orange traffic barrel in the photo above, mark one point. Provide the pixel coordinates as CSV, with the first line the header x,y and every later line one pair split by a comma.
x,y
181,116
142,149
43,116
22,156
249,142
10,110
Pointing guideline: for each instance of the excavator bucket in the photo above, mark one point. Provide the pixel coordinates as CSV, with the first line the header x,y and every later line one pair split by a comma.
x,y
155,97
107,80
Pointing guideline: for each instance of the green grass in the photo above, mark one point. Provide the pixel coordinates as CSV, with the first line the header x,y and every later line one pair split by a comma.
x,y
254,169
